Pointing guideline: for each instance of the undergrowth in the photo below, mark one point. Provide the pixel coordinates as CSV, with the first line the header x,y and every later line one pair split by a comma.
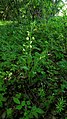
x,y
33,68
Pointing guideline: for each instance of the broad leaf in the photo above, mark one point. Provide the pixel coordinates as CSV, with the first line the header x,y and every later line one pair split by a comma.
x,y
16,100
19,107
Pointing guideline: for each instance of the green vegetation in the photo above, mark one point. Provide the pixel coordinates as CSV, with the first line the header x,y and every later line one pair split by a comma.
x,y
33,65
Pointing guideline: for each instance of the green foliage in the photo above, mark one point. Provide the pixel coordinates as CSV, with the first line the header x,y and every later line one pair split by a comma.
x,y
33,69
33,113
9,113
60,105
27,9
10,9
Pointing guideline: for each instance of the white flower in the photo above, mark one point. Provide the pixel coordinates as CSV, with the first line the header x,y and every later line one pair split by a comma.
x,y
10,74
27,38
30,46
28,33
23,49
33,38
23,44
30,42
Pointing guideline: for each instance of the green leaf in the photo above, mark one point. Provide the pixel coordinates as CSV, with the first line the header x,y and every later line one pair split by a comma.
x,y
65,117
19,107
23,103
35,114
40,111
28,102
25,68
18,95
16,100
9,112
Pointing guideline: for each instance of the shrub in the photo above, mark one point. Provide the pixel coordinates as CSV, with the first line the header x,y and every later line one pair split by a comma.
x,y
33,69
